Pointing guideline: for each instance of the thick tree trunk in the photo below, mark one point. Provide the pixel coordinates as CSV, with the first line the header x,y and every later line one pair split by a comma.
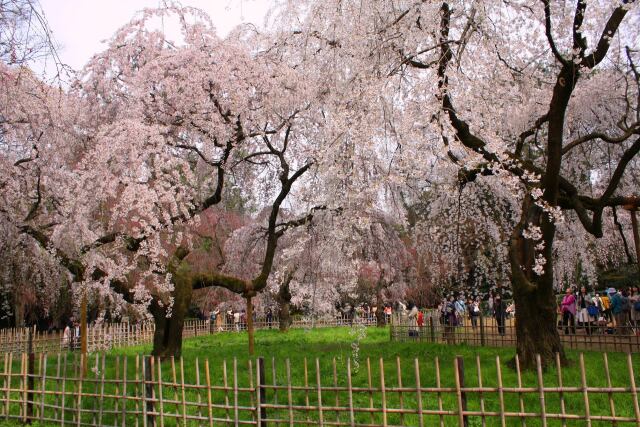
x,y
536,328
284,316
636,235
284,302
534,296
250,324
167,338
379,309
18,312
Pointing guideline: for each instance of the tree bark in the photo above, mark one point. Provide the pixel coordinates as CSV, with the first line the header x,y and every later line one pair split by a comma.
x,y
284,316
636,236
536,325
284,302
533,295
250,324
83,331
167,338
379,309
18,312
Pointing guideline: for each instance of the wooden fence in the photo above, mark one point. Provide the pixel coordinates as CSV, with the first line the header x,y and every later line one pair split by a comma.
x,y
487,332
142,391
109,335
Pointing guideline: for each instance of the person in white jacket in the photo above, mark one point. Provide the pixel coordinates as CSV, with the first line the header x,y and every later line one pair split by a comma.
x,y
413,319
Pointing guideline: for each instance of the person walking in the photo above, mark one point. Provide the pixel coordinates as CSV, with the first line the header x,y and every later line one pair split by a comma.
x,y
617,309
583,306
420,320
412,319
500,313
474,313
449,320
461,310
606,307
66,337
269,317
568,309
236,321
634,302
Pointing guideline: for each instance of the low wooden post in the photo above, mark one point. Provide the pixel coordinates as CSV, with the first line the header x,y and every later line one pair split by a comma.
x,y
482,340
462,395
261,395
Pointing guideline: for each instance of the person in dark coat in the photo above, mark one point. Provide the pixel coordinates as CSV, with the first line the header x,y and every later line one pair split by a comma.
x,y
500,313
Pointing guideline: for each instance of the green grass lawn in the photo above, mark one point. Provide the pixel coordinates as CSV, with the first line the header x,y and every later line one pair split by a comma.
x,y
333,347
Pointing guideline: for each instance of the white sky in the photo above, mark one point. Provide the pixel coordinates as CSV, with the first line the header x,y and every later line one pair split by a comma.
x,y
80,26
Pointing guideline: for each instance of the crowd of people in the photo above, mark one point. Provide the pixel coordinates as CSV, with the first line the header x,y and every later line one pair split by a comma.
x,y
221,320
611,311
453,311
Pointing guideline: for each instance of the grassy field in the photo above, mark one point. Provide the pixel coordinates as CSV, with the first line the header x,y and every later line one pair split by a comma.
x,y
333,347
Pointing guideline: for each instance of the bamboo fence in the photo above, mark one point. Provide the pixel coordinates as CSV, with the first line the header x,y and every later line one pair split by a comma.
x,y
142,391
110,335
487,333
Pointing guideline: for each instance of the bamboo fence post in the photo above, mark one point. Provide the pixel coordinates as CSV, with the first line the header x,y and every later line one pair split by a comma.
x,y
174,377
560,382
23,372
143,394
273,377
503,421
64,390
7,383
458,367
319,391
101,405
519,377
481,395
418,392
289,393
43,367
136,390
634,390
350,391
160,397
585,391
384,394
226,388
95,387
30,377
123,419
57,389
79,402
306,386
401,398
335,385
438,385
251,395
150,391
370,389
612,407
116,393
235,391
543,408
209,409
182,393
261,393
198,386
